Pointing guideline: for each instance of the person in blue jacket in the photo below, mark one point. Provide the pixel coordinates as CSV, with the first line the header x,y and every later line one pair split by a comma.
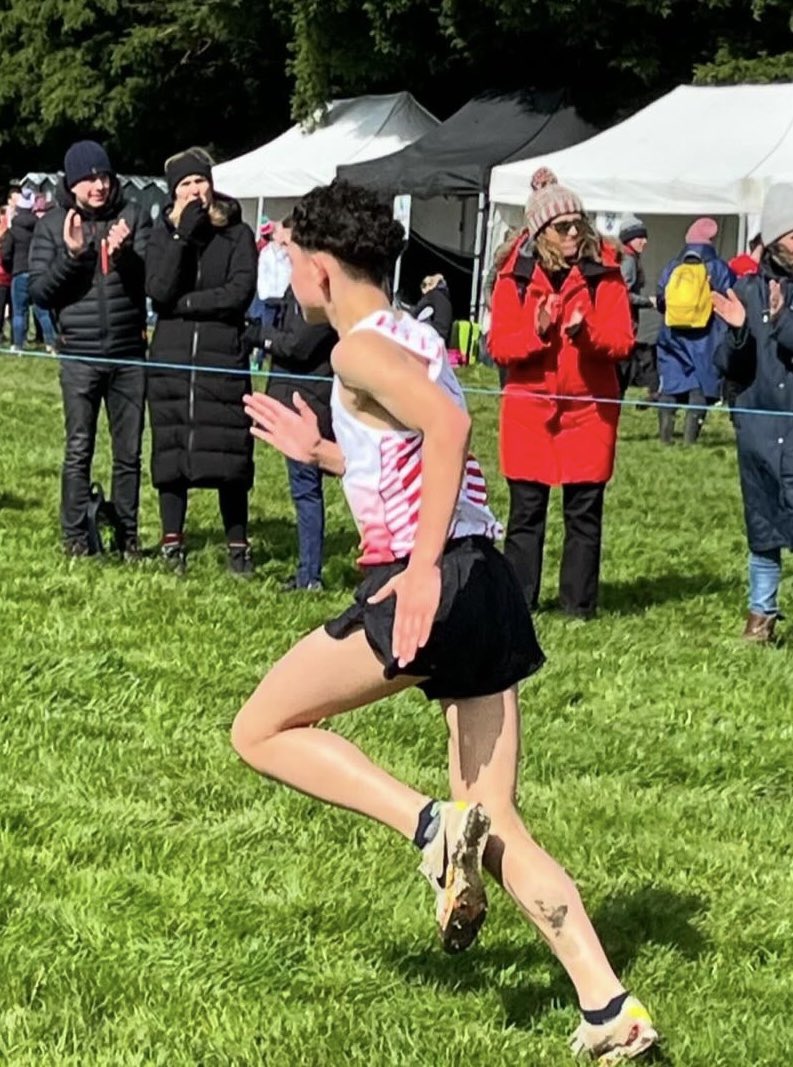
x,y
686,369
756,357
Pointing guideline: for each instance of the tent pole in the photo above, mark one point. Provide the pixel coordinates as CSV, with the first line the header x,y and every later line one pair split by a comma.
x,y
259,209
743,225
480,219
488,257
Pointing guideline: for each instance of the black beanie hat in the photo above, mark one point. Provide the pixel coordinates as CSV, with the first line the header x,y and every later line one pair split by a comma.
x,y
85,159
193,161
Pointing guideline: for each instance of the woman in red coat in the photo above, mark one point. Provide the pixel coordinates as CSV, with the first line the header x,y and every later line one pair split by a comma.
x,y
561,323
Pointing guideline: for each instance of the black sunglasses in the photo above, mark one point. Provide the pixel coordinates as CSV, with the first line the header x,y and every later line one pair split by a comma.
x,y
566,225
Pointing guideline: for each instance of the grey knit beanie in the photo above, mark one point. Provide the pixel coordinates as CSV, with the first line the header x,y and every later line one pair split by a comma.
x,y
777,217
548,201
632,227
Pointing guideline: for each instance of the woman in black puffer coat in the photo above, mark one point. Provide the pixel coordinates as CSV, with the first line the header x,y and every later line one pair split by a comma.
x,y
201,276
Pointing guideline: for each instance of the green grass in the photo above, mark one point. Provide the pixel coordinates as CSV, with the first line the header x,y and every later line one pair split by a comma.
x,y
162,905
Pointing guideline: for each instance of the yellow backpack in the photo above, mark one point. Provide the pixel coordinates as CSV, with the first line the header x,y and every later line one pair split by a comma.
x,y
688,296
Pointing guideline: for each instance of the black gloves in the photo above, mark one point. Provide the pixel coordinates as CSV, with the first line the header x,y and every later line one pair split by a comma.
x,y
194,216
251,338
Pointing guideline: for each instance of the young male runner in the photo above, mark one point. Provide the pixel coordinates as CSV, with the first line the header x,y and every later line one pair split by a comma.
x,y
438,608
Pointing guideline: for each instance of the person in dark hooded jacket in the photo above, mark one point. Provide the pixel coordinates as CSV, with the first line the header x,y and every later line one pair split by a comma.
x,y
633,241
756,356
86,267
201,276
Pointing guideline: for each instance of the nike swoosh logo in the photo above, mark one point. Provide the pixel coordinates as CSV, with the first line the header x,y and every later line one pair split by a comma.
x,y
441,882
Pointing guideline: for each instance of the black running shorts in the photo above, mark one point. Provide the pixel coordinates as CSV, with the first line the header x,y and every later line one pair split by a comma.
x,y
482,640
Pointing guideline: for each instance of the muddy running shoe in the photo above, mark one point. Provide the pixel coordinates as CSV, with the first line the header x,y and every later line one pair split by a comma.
x,y
452,864
623,1038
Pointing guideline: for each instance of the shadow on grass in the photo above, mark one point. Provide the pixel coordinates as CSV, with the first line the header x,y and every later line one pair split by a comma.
x,y
651,915
708,442
636,595
12,502
277,538
274,540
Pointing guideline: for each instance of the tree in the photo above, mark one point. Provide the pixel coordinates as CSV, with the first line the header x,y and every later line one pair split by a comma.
x,y
147,78
150,78
613,55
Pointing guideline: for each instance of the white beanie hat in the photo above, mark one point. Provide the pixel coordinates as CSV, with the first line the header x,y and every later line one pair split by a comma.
x,y
777,217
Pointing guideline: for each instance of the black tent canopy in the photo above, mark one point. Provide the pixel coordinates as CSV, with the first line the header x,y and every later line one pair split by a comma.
x,y
455,158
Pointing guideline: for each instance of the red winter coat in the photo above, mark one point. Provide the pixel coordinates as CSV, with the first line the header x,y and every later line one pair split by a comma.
x,y
551,441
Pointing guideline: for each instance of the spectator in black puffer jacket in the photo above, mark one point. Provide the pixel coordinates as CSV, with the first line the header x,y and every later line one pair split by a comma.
x,y
201,276
87,268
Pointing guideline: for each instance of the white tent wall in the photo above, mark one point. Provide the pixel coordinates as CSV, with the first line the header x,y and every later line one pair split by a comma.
x,y
275,208
698,150
447,221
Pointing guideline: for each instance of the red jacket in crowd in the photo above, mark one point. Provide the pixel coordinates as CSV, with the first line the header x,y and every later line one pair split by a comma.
x,y
548,440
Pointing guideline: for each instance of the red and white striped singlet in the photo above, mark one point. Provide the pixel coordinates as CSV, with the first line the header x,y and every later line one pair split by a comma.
x,y
382,477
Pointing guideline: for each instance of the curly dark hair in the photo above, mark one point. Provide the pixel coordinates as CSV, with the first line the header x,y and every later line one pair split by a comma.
x,y
352,224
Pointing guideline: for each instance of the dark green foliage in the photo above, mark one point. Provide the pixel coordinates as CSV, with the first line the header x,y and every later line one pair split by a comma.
x,y
151,78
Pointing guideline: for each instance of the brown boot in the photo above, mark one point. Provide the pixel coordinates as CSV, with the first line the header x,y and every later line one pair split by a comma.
x,y
759,628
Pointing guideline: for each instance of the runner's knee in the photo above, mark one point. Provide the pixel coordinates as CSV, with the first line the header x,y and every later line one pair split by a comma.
x,y
251,727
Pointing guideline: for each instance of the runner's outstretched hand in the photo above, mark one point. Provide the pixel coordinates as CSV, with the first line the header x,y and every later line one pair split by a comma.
x,y
294,433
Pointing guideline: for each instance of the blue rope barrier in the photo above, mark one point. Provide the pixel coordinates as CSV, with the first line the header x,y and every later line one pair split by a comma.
x,y
149,364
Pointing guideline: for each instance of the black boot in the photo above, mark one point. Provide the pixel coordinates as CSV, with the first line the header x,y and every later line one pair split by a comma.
x,y
666,425
128,548
76,547
692,427
241,560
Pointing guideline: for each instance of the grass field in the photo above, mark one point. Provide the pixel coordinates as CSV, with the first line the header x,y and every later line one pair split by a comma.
x,y
162,905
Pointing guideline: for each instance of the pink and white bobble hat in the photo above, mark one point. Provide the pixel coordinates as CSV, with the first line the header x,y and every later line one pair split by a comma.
x,y
548,201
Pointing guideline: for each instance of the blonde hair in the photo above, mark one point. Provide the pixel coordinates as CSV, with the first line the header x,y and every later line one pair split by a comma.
x,y
432,281
550,255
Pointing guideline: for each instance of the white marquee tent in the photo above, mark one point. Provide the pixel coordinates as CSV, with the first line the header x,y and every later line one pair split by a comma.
x,y
696,151
277,174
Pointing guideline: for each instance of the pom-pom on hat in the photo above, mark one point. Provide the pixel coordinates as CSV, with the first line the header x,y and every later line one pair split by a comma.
x,y
548,201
